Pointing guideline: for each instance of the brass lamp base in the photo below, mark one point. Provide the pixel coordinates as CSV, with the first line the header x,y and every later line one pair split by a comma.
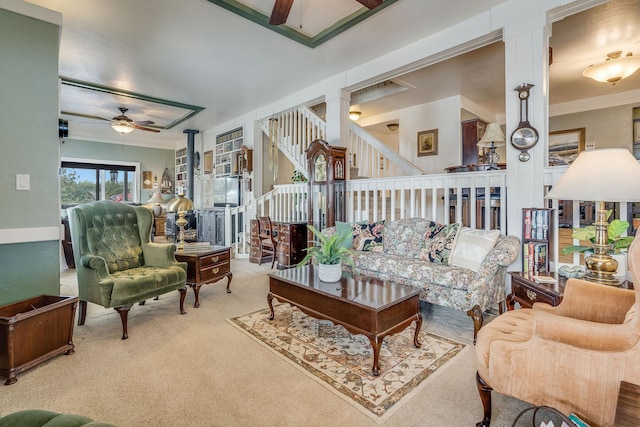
x,y
181,222
601,266
601,269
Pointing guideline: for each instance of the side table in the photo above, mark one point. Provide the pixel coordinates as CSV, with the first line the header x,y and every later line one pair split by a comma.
x,y
526,291
207,267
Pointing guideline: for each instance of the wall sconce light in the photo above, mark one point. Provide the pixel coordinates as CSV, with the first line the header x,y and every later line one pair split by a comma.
x,y
393,127
614,68
354,115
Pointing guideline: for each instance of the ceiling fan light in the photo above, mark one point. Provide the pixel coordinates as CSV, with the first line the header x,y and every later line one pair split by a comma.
x,y
614,68
122,126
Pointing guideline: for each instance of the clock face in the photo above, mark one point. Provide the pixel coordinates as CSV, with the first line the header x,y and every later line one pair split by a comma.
x,y
524,94
524,137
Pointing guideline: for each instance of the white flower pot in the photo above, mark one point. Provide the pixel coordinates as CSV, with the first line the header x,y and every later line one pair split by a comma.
x,y
330,272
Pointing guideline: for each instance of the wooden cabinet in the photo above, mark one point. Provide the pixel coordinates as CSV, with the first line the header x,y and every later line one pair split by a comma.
x,y
206,267
158,224
472,131
291,238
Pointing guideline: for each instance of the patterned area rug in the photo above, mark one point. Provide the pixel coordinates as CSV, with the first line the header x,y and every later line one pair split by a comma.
x,y
342,362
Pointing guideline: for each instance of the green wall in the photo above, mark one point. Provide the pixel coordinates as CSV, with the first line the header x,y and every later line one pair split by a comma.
x,y
29,141
151,159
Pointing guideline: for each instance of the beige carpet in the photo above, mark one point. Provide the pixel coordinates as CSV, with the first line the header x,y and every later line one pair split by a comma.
x,y
199,370
342,361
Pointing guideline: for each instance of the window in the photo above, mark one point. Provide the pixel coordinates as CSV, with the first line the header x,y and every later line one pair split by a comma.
x,y
82,182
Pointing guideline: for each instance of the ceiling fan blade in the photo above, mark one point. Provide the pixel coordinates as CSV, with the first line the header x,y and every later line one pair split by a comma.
x,y
280,12
145,123
371,4
144,128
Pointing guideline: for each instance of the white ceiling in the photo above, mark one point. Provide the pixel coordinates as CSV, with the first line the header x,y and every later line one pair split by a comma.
x,y
195,52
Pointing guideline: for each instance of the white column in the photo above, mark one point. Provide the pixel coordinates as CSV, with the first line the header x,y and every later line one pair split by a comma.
x,y
338,117
526,61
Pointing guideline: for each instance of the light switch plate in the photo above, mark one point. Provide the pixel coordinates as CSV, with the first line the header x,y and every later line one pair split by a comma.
x,y
23,182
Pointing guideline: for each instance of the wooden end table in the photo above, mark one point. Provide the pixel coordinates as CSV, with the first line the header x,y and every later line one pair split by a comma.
x,y
363,305
526,291
207,267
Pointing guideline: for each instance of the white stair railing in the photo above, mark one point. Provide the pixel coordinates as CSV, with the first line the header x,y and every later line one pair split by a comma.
x,y
373,159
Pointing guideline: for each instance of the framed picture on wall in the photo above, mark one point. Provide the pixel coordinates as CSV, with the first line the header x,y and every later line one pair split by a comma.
x,y
565,145
147,179
208,162
428,143
636,130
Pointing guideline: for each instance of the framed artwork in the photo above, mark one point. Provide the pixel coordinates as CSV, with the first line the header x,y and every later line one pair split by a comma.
x,y
565,145
636,130
208,162
147,179
428,143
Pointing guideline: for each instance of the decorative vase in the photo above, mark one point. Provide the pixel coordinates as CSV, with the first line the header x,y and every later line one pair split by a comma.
x,y
330,272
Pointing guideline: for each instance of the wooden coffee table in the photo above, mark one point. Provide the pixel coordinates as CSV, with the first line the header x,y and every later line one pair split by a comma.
x,y
363,305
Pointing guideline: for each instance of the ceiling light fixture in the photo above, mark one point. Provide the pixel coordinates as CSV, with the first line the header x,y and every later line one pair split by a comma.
x,y
354,115
614,68
123,126
393,127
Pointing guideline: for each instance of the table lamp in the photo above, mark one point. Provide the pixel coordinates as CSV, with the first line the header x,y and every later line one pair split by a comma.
x,y
157,199
492,138
605,175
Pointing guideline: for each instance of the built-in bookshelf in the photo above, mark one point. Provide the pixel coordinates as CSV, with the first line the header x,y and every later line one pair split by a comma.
x,y
228,150
181,170
537,240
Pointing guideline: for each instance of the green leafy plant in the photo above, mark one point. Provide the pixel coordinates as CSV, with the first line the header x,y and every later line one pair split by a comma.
x,y
298,177
330,250
614,232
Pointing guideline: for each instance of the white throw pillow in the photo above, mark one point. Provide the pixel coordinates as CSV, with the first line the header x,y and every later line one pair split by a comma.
x,y
472,246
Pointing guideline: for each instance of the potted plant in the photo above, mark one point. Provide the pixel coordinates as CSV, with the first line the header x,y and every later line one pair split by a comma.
x,y
619,244
615,229
329,255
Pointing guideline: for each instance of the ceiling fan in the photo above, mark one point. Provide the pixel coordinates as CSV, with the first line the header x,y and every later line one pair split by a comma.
x,y
124,124
281,9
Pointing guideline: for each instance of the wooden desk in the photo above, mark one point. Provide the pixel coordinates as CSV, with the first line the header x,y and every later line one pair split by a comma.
x,y
525,291
291,240
207,267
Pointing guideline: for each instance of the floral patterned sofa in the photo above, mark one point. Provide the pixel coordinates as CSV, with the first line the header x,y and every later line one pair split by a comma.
x,y
402,259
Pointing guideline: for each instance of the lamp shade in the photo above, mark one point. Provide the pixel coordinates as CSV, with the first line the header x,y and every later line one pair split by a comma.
x,y
609,175
156,198
179,203
494,135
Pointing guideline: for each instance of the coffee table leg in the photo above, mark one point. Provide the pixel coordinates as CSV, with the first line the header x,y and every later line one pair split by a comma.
x,y
269,300
418,326
376,343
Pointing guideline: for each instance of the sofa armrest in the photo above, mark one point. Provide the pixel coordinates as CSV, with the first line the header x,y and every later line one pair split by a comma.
x,y
504,252
96,263
329,231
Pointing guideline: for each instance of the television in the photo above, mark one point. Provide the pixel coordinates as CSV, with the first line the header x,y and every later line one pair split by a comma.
x,y
226,191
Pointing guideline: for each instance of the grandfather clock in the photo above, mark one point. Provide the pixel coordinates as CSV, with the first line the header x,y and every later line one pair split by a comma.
x,y
327,193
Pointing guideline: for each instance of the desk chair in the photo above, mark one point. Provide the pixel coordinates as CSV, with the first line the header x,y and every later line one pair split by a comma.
x,y
268,243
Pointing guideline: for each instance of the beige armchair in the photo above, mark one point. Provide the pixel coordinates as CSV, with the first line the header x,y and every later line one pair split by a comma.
x,y
571,357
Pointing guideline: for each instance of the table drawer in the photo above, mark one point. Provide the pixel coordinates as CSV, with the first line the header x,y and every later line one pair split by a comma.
x,y
214,259
525,293
213,272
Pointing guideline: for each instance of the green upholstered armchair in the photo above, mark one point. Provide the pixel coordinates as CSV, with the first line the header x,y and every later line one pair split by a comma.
x,y
116,264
